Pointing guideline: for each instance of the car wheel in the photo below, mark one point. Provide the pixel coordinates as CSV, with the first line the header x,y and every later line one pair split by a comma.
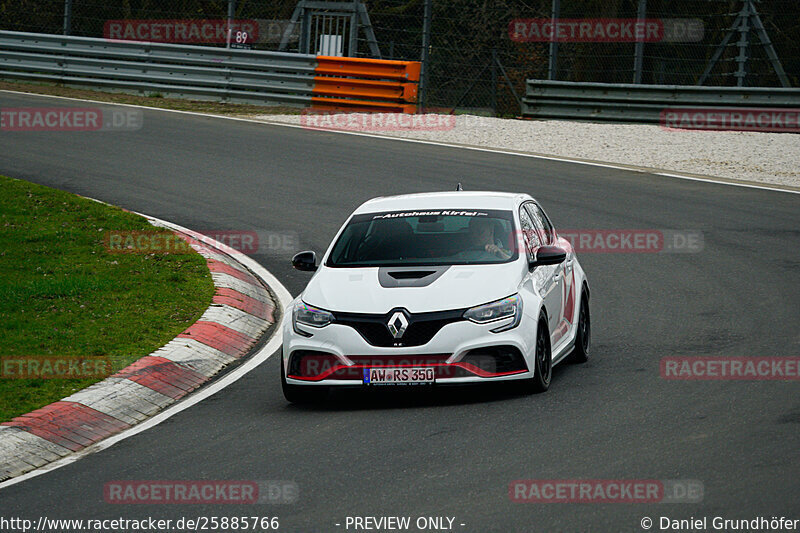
x,y
580,354
301,394
543,360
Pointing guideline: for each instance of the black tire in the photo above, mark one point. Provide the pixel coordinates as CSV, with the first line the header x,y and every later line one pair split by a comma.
x,y
301,394
543,360
580,353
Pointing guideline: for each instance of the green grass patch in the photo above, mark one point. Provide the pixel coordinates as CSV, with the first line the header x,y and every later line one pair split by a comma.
x,y
64,294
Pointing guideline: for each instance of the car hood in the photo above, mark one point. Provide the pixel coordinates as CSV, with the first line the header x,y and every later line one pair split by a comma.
x,y
369,290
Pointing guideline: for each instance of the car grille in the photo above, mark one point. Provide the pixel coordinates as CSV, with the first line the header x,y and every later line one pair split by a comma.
x,y
417,360
421,326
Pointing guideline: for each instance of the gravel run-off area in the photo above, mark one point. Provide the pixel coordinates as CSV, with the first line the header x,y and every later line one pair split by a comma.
x,y
772,158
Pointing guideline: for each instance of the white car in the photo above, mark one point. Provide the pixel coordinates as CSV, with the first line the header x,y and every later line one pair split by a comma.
x,y
434,289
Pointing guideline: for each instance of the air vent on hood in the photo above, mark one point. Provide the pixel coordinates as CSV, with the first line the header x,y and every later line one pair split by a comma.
x,y
419,276
411,274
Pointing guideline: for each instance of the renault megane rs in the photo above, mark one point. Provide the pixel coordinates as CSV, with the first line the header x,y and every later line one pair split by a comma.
x,y
436,289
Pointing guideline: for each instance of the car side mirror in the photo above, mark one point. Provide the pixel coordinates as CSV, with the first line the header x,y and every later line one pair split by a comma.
x,y
548,255
305,261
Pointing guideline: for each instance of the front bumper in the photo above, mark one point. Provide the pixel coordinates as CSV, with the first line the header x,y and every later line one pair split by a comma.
x,y
460,352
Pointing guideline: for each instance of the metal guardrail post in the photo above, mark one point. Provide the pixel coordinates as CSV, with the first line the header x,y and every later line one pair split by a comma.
x,y
552,64
638,60
743,44
231,15
495,62
425,58
67,17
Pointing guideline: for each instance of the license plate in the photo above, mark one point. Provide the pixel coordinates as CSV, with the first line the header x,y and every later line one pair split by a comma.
x,y
399,376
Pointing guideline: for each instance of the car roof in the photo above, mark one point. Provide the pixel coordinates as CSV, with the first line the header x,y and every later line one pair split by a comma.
x,y
444,200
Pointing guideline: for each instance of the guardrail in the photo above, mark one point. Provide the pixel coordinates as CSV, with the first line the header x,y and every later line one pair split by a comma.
x,y
612,102
226,74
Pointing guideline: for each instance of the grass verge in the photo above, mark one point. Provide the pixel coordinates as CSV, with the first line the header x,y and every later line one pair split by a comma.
x,y
64,294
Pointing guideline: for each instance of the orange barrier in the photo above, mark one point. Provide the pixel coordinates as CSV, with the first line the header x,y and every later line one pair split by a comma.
x,y
379,90
360,84
359,67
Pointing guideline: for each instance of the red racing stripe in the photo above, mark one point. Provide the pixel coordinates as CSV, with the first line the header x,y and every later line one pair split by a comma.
x,y
162,375
68,424
222,268
220,337
245,303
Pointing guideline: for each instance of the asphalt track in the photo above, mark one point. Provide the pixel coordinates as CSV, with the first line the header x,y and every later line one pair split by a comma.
x,y
455,454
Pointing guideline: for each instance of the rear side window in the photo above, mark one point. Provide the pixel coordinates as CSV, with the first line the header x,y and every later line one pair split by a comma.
x,y
541,222
530,233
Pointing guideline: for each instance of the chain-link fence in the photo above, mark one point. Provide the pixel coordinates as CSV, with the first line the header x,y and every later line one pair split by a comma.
x,y
480,51
465,38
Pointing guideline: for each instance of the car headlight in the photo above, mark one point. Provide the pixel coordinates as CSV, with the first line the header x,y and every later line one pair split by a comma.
x,y
309,316
499,310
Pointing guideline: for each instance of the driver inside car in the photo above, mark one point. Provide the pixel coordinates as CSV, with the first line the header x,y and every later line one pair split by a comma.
x,y
482,236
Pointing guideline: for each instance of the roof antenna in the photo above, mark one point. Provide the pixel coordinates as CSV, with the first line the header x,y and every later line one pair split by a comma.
x,y
459,187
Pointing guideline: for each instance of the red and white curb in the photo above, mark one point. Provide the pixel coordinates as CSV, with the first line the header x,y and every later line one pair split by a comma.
x,y
242,310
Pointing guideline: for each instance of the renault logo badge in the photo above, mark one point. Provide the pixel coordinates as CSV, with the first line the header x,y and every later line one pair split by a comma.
x,y
397,324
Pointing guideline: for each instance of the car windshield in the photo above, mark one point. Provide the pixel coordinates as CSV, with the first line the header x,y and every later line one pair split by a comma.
x,y
426,238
